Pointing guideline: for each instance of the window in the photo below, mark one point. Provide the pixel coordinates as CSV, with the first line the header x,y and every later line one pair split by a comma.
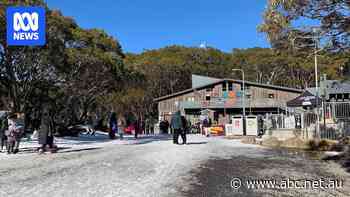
x,y
271,96
207,97
224,88
245,87
339,96
230,86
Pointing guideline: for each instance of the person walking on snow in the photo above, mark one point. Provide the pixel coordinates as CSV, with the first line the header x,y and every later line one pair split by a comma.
x,y
184,129
113,125
176,126
138,128
3,129
90,124
13,134
46,132
121,126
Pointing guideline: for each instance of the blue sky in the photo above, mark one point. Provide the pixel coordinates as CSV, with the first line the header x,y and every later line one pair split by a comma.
x,y
152,24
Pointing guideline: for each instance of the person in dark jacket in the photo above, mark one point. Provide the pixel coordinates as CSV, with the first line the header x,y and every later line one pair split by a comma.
x,y
113,125
166,125
138,127
162,126
176,126
46,132
3,129
184,129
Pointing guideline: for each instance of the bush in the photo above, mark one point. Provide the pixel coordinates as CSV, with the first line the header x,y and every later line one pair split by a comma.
x,y
345,140
313,145
323,145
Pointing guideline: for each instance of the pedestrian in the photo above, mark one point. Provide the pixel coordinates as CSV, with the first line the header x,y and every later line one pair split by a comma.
x,y
206,127
46,132
152,126
89,124
36,124
184,129
162,126
147,126
176,126
138,127
19,131
121,126
113,126
96,121
166,124
13,135
3,129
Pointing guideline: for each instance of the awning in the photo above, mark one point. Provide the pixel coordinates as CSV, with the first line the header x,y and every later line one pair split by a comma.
x,y
306,99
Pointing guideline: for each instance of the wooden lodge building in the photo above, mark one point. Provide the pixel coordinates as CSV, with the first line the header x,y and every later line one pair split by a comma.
x,y
222,98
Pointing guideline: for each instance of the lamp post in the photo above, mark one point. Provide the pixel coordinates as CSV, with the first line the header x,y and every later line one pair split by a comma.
x,y
243,99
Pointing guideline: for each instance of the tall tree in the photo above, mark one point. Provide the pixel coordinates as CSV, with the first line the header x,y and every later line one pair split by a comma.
x,y
331,16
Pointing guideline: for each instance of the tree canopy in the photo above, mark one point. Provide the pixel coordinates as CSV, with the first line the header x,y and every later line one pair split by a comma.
x,y
74,68
332,17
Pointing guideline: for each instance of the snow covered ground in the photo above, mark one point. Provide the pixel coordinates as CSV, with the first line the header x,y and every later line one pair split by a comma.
x,y
147,167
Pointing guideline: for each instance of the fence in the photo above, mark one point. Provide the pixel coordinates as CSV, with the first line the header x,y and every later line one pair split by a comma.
x,y
334,121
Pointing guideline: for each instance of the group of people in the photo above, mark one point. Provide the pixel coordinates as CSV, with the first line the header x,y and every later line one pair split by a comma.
x,y
10,133
179,126
117,125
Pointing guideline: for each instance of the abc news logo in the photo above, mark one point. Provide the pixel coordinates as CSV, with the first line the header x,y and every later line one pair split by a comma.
x,y
32,25
25,26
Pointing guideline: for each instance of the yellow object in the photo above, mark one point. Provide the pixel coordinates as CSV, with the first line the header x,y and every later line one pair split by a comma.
x,y
216,130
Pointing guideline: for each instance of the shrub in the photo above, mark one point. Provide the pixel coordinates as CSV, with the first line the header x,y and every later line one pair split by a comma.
x,y
324,145
313,145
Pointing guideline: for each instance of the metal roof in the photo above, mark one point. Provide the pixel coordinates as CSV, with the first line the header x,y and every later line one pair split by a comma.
x,y
332,87
234,81
199,81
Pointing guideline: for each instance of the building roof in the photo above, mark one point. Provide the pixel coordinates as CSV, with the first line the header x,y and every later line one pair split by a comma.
x,y
331,87
306,98
223,80
199,81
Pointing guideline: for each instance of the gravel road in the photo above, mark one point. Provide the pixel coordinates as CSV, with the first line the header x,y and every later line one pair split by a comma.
x,y
155,167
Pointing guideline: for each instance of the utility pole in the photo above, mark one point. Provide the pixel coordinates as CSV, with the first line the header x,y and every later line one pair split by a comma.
x,y
316,39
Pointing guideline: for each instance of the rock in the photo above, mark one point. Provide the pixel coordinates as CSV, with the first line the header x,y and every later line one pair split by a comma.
x,y
295,142
272,142
248,140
